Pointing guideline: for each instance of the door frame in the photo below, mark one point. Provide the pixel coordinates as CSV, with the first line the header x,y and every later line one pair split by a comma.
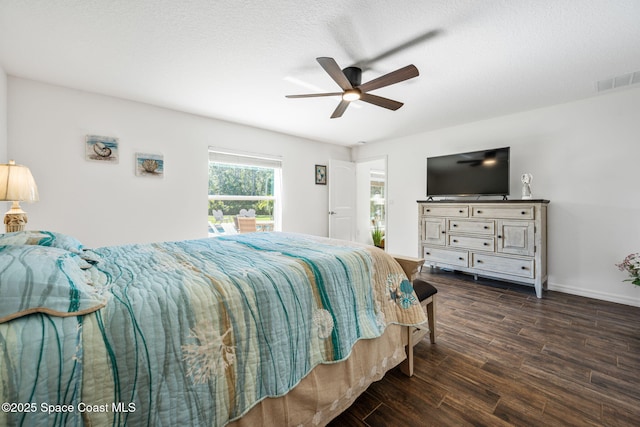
x,y
362,233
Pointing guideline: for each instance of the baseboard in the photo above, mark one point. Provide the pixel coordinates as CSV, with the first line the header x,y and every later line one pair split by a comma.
x,y
593,294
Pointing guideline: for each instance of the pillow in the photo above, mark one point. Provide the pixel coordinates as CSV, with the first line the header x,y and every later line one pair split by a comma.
x,y
45,280
54,240
42,238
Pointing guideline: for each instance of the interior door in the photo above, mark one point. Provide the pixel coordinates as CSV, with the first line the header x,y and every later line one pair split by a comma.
x,y
341,179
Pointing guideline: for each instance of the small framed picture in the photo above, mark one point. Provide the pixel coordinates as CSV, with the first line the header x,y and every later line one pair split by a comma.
x,y
101,149
150,165
321,174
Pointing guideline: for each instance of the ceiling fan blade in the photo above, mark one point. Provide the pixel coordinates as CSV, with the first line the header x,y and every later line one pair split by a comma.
x,y
333,69
366,63
380,101
313,95
402,74
340,109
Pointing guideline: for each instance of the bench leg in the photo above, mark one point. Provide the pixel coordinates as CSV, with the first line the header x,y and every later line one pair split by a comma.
x,y
431,317
406,367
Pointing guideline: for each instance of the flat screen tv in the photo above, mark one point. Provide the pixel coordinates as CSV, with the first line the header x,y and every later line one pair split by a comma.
x,y
477,173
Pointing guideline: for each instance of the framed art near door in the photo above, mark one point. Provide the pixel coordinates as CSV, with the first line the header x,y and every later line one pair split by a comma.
x,y
321,174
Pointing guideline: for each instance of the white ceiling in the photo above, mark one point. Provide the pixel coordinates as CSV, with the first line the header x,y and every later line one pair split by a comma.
x,y
236,60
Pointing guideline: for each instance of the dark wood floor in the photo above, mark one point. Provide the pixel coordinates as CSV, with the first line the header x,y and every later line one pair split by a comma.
x,y
503,357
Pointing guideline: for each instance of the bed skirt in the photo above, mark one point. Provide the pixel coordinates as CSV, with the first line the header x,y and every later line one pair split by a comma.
x,y
330,389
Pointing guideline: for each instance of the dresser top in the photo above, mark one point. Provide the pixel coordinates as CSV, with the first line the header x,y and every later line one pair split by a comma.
x,y
459,201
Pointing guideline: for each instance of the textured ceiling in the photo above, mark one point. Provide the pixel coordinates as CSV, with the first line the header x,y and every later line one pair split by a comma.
x,y
236,60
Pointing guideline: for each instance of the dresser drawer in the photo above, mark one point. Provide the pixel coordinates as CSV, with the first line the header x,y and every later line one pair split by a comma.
x,y
512,266
508,212
445,256
469,226
471,242
460,211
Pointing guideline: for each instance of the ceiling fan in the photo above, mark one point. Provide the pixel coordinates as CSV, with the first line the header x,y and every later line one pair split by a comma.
x,y
349,81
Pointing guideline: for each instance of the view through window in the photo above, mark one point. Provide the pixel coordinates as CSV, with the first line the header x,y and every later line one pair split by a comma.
x,y
243,186
377,206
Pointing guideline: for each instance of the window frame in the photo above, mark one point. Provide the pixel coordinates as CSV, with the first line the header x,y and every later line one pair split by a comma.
x,y
240,159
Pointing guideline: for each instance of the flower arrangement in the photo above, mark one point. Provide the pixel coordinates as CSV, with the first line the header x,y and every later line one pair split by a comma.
x,y
631,265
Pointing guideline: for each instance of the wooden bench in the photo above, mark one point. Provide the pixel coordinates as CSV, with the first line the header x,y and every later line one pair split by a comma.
x,y
426,294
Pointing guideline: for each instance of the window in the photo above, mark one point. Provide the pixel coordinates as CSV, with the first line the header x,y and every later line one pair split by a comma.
x,y
244,182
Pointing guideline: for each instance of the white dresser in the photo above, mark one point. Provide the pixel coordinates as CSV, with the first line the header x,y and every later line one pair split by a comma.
x,y
505,240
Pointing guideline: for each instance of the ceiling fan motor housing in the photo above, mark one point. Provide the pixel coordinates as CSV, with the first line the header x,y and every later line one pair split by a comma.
x,y
354,75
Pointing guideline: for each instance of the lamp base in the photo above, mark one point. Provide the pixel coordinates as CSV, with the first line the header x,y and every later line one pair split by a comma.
x,y
15,219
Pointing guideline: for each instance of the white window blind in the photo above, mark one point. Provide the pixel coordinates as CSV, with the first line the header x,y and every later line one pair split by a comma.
x,y
243,159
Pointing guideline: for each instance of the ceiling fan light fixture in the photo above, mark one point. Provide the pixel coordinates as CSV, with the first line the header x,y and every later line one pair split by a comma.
x,y
351,95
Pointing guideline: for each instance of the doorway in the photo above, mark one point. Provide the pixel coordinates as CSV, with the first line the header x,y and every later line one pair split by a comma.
x,y
371,200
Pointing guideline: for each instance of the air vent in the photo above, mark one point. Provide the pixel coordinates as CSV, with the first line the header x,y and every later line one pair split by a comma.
x,y
616,82
603,85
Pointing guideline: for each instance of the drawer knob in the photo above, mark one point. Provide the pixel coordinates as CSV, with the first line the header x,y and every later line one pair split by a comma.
x,y
479,261
479,211
523,213
499,236
455,225
455,241
444,232
428,210
486,244
461,258
461,211
523,267
427,253
486,227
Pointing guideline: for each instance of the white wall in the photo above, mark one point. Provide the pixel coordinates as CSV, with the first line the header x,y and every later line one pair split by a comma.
x,y
3,116
584,157
106,204
4,206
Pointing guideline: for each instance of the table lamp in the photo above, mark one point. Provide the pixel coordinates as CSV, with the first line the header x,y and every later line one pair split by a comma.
x,y
16,185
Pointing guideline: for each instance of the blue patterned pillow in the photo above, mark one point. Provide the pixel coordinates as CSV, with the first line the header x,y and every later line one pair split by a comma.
x,y
42,238
46,280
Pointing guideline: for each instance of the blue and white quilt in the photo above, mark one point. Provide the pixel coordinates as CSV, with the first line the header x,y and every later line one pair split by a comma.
x,y
191,332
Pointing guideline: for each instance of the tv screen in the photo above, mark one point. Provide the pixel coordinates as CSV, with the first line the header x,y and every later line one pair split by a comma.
x,y
477,173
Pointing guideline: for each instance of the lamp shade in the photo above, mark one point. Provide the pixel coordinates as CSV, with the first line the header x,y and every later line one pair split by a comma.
x,y
17,183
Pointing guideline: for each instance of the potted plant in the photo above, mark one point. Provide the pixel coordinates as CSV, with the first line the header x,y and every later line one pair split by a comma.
x,y
378,236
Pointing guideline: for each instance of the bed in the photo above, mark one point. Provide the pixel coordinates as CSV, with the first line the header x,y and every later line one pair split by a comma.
x,y
243,330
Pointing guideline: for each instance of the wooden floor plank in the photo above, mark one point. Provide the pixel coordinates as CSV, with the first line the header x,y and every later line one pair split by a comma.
x,y
617,416
503,357
456,409
587,401
388,416
410,393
